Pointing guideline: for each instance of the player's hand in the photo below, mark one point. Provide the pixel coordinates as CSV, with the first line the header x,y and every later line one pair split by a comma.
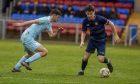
x,y
17,24
81,44
60,29
117,39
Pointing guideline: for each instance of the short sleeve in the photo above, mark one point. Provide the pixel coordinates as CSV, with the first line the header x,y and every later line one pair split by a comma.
x,y
43,19
104,20
84,27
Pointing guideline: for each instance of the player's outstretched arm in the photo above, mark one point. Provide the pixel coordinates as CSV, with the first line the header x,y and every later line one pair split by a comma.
x,y
51,34
117,39
26,23
83,35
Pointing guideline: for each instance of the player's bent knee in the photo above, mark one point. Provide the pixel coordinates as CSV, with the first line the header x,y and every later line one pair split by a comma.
x,y
101,59
86,56
44,53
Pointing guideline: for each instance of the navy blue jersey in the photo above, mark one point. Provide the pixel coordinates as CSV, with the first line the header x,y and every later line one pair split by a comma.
x,y
96,27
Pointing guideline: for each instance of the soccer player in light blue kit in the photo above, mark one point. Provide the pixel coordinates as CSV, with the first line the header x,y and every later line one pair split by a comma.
x,y
33,48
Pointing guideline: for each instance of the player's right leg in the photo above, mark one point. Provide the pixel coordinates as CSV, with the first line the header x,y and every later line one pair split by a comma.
x,y
90,49
84,63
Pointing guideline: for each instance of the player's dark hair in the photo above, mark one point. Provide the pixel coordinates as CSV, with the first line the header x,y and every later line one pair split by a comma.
x,y
55,11
89,8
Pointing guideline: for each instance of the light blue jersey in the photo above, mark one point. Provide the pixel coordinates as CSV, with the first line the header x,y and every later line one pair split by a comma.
x,y
30,34
36,29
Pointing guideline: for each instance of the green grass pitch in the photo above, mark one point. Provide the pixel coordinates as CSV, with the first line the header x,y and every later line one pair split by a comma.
x,y
63,62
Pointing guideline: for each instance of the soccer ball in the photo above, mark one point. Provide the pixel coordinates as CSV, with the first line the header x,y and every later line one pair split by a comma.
x,y
104,72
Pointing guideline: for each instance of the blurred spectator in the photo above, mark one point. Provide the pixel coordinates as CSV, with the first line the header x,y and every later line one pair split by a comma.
x,y
97,11
61,8
27,8
113,14
80,12
17,8
43,9
103,12
35,8
52,6
5,4
69,12
108,0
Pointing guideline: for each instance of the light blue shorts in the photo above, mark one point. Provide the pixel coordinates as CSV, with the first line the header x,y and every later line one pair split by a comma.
x,y
29,43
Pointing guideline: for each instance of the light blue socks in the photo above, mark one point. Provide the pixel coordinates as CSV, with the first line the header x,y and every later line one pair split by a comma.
x,y
18,65
35,57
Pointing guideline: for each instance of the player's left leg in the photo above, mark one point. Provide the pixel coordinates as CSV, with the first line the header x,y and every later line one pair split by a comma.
x,y
101,55
40,51
103,59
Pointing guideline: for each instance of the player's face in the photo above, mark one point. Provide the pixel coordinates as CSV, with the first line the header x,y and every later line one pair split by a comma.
x,y
90,15
55,18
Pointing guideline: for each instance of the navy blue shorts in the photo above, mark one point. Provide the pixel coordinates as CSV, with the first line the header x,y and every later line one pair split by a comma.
x,y
95,44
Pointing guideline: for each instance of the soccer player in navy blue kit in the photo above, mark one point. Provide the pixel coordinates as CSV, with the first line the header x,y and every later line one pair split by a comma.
x,y
97,40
